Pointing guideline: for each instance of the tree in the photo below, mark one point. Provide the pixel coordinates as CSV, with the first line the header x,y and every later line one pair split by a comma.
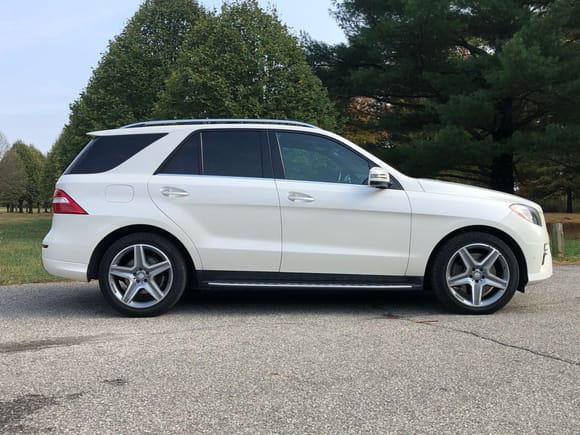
x,y
50,173
465,85
12,180
243,63
33,164
125,85
551,174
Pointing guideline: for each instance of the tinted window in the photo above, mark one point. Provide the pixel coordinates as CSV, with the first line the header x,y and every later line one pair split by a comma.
x,y
314,158
232,153
185,159
106,152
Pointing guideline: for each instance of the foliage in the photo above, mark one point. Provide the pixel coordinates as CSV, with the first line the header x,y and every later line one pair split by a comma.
x,y
50,173
12,179
463,84
175,60
552,172
243,63
33,163
21,170
125,85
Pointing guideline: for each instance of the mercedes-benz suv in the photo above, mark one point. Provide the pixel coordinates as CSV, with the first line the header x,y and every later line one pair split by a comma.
x,y
153,208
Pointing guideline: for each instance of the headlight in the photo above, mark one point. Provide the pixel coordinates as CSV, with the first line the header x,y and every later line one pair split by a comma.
x,y
528,213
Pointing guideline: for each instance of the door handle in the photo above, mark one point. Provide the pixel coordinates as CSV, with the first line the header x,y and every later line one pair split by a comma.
x,y
172,192
299,197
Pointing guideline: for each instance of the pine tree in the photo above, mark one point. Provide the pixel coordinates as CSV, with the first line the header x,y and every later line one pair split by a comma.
x,y
464,86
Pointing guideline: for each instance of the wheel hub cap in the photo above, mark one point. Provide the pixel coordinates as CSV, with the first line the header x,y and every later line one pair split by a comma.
x,y
477,275
141,276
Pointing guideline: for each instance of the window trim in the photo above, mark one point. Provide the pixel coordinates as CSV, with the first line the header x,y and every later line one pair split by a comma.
x,y
267,171
278,163
73,169
161,168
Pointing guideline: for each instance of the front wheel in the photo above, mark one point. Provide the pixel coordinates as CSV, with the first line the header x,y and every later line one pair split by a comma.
x,y
475,273
142,275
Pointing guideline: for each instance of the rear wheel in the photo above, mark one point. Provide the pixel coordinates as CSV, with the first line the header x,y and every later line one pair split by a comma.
x,y
142,275
475,273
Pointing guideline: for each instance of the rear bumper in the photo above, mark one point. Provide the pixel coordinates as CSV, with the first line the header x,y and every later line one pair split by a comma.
x,y
76,271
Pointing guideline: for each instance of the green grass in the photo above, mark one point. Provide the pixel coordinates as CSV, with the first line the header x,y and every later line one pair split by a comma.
x,y
22,234
20,239
571,251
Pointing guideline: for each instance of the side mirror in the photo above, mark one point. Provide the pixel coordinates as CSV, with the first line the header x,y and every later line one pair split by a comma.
x,y
379,178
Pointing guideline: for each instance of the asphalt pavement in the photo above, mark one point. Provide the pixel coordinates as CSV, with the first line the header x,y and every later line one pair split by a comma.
x,y
308,362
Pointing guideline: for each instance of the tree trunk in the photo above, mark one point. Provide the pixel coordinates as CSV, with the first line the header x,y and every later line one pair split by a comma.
x,y
569,200
502,166
502,173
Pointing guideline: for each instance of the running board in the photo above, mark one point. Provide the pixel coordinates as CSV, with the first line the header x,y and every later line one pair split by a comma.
x,y
243,279
290,285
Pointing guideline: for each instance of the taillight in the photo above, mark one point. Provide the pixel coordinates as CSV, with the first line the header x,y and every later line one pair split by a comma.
x,y
64,204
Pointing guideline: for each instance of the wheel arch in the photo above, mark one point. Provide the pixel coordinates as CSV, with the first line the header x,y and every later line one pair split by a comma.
x,y
506,238
98,252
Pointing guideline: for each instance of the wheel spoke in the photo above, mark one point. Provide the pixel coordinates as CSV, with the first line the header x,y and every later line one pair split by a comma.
x,y
477,292
139,257
461,279
121,271
158,268
467,259
131,292
490,260
496,281
153,289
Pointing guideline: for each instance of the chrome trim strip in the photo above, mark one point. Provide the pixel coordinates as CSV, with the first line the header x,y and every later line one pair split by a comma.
x,y
310,285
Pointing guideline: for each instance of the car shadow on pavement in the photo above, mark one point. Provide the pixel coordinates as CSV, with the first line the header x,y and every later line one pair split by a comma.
x,y
84,300
305,301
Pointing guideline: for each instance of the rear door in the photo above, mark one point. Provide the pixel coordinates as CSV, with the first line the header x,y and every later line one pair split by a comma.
x,y
218,187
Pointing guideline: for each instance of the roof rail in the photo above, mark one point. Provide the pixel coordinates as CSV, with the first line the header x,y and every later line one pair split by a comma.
x,y
217,121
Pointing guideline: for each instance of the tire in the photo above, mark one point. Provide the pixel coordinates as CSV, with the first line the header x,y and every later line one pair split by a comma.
x,y
142,275
474,273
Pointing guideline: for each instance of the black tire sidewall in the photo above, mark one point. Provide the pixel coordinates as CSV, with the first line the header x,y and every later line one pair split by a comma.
x,y
179,274
442,258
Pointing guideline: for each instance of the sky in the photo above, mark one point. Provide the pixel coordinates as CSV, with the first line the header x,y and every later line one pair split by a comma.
x,y
48,50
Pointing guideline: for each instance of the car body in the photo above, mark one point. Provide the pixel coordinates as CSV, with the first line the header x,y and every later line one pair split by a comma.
x,y
154,207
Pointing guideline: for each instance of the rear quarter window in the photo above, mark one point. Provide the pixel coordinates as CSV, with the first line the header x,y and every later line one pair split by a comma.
x,y
107,152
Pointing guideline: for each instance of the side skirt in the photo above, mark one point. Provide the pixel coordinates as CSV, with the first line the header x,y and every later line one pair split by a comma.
x,y
231,279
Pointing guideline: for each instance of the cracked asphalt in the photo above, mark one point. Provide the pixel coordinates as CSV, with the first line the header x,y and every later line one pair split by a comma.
x,y
252,361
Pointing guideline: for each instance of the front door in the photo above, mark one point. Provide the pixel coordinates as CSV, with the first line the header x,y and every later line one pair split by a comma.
x,y
332,221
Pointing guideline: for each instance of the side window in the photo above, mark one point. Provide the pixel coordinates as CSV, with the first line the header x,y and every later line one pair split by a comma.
x,y
232,153
185,159
107,152
313,158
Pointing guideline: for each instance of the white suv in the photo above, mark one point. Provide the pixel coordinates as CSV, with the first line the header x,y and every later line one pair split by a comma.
x,y
153,207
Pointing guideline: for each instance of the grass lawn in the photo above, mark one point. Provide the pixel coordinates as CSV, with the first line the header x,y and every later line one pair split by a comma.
x,y
20,239
22,234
